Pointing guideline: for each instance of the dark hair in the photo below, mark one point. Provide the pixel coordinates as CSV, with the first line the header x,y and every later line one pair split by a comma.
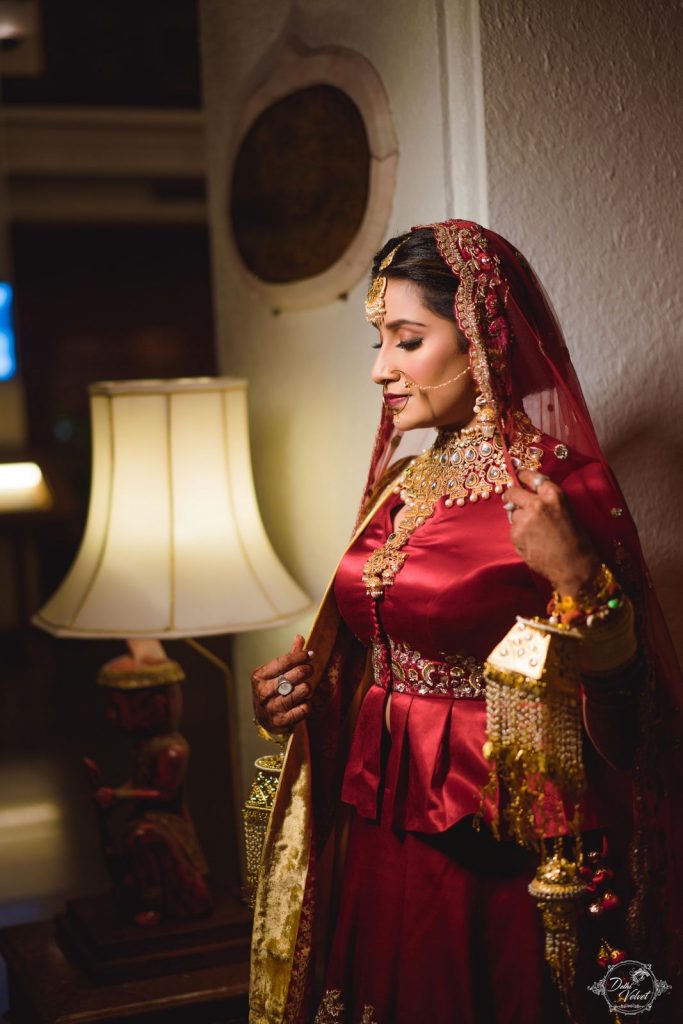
x,y
419,260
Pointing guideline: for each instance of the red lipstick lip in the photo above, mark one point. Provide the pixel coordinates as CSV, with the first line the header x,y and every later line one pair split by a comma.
x,y
392,399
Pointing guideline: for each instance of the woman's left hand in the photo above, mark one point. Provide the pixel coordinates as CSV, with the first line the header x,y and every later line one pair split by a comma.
x,y
545,535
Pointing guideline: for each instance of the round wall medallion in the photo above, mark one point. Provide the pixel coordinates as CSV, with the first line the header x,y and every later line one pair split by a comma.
x,y
312,178
300,185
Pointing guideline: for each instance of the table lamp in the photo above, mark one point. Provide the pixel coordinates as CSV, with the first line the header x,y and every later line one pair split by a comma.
x,y
174,547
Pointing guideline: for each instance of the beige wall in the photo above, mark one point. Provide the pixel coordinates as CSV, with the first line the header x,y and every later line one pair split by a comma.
x,y
584,137
313,408
581,107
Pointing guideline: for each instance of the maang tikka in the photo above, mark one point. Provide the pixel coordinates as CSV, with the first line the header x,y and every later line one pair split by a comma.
x,y
375,310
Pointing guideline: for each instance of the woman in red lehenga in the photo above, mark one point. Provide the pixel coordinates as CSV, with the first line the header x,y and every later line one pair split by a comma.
x,y
393,885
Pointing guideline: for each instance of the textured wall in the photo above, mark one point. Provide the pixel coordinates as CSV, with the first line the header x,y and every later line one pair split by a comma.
x,y
584,138
313,409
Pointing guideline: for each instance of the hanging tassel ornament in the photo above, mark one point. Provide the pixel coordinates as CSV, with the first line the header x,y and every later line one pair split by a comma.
x,y
533,705
534,743
558,889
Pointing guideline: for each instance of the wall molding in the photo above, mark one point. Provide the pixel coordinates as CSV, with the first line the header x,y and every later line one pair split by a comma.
x,y
94,164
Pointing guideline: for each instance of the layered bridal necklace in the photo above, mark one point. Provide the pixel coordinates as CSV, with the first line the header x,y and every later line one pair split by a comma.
x,y
461,466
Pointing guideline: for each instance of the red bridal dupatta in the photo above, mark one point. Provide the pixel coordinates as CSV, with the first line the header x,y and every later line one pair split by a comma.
x,y
519,361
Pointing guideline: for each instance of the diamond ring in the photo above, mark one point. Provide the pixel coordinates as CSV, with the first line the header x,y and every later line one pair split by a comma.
x,y
284,687
509,507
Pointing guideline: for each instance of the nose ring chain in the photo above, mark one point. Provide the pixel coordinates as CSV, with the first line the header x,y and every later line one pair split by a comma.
x,y
433,387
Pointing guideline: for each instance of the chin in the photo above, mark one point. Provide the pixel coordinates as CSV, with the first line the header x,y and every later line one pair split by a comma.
x,y
415,423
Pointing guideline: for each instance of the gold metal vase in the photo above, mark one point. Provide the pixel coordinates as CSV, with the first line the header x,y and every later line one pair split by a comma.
x,y
256,814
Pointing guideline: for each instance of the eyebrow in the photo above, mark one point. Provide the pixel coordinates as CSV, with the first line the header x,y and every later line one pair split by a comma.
x,y
395,324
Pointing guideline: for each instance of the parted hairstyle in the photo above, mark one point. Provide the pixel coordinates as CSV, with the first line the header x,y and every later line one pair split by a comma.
x,y
418,260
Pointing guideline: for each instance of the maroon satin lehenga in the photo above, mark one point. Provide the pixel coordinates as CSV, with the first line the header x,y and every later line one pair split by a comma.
x,y
435,920
379,902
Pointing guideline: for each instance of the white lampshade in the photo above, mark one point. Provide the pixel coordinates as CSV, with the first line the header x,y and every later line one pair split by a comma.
x,y
174,544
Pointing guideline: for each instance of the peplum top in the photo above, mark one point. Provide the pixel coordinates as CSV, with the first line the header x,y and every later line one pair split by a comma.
x,y
456,596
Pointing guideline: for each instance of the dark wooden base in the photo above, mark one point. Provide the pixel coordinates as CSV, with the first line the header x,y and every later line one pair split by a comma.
x,y
48,987
109,949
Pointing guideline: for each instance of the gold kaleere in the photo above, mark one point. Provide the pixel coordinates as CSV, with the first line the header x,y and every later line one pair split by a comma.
x,y
533,705
558,890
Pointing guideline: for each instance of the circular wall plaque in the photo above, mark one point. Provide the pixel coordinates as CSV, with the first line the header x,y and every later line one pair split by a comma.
x,y
300,184
312,177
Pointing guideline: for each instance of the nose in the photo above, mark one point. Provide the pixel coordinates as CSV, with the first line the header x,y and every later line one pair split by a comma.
x,y
381,373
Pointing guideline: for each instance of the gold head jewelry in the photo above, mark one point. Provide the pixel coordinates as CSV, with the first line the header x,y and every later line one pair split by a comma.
x,y
374,301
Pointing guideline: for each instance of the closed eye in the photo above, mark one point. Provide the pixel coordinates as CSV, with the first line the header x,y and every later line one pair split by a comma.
x,y
409,344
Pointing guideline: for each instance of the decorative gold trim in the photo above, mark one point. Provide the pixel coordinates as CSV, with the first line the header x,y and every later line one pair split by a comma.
x,y
271,737
465,250
280,911
331,1010
459,676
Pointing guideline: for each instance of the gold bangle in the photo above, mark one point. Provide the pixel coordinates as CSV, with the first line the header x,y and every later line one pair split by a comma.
x,y
597,591
609,642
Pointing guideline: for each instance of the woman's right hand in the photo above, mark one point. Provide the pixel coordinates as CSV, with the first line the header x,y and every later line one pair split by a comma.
x,y
271,710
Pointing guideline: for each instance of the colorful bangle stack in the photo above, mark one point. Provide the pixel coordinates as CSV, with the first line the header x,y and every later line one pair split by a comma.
x,y
600,597
604,614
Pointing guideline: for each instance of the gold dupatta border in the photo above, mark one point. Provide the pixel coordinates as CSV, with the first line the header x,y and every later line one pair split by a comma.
x,y
283,915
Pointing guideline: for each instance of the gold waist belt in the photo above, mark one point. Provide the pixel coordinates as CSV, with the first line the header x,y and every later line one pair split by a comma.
x,y
397,667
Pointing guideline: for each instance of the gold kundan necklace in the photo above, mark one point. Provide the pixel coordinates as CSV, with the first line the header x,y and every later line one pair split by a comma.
x,y
461,466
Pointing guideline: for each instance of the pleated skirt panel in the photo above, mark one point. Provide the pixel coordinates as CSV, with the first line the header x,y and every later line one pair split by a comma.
x,y
439,929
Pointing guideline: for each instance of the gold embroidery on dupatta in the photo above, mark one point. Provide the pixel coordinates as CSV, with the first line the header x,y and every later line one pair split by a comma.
x,y
368,1015
302,952
283,912
331,1010
479,300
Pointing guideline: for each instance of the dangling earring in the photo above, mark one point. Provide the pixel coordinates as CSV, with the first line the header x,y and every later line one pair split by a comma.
x,y
486,417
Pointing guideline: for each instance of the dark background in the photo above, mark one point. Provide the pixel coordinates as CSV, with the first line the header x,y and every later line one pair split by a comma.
x,y
107,300
136,53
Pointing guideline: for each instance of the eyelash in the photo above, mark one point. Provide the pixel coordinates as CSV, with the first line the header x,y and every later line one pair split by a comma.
x,y
410,344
